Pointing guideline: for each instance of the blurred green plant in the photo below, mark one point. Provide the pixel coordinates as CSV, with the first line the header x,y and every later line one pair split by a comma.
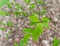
x,y
56,42
3,2
3,13
27,1
15,44
9,23
40,24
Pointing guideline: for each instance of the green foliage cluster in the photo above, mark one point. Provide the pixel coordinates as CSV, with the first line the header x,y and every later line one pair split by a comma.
x,y
3,2
56,42
40,24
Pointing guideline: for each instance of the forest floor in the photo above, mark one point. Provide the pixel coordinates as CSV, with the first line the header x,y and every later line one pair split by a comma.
x,y
46,39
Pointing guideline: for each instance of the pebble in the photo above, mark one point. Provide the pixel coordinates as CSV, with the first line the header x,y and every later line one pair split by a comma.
x,y
51,38
0,32
55,19
17,39
45,42
10,40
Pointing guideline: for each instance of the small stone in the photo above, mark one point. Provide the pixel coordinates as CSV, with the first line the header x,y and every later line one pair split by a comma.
x,y
45,42
17,39
10,40
51,38
55,19
0,32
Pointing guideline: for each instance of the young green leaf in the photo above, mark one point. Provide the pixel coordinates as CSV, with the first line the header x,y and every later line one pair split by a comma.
x,y
32,6
21,43
3,2
25,39
9,5
34,18
27,30
33,23
15,44
24,13
3,13
3,29
45,19
27,1
46,25
37,32
56,42
18,6
9,23
40,2
45,22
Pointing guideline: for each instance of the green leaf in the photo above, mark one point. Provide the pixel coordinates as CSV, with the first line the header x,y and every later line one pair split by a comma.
x,y
18,5
46,25
32,6
9,23
27,30
37,32
21,43
10,5
45,19
27,1
40,2
3,2
33,23
24,13
25,39
3,13
56,42
17,13
34,18
43,11
15,44
3,29
45,22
